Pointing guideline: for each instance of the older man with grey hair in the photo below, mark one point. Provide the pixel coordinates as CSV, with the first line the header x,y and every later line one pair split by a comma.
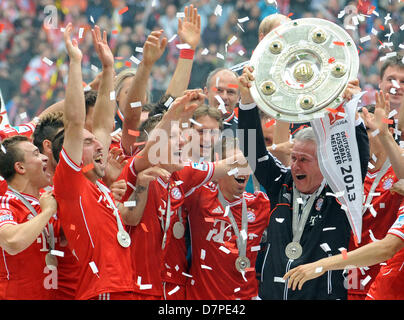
x,y
306,223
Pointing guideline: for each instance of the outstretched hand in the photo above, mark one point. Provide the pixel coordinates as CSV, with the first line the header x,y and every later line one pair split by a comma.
x,y
101,47
71,44
153,48
189,29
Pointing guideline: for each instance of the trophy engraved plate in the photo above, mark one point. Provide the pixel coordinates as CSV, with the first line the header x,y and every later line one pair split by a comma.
x,y
302,67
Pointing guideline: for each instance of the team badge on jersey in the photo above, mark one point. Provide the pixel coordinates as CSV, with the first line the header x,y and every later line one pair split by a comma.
x,y
250,216
319,204
388,183
176,193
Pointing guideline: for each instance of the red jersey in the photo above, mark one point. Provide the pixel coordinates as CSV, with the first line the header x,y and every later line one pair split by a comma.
x,y
153,264
90,226
214,246
23,276
376,221
389,283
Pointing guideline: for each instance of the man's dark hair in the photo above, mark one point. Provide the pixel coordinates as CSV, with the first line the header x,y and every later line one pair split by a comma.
x,y
391,62
47,128
90,99
57,144
9,155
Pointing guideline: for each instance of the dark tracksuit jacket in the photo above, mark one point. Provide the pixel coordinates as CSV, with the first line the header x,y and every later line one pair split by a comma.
x,y
327,223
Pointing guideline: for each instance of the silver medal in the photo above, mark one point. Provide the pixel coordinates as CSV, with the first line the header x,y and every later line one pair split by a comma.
x,y
123,238
293,250
178,230
242,263
51,261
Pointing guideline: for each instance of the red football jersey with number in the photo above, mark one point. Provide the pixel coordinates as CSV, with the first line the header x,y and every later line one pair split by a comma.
x,y
214,247
90,226
376,221
23,276
169,263
389,283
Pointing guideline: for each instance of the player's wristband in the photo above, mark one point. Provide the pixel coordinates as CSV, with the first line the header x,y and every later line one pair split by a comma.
x,y
187,54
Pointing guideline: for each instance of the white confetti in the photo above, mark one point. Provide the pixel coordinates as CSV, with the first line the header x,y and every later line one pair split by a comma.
x,y
47,61
92,19
375,133
205,52
136,104
112,95
172,38
233,171
232,40
186,275
255,248
203,254
236,290
364,39
206,267
81,31
174,290
365,281
93,267
325,247
218,10
219,55
139,49
195,122
183,46
134,59
57,253
94,68
279,220
180,14
318,270
128,204
224,249
264,158
242,20
279,279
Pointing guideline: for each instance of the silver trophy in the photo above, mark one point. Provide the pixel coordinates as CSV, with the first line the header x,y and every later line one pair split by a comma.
x,y
302,67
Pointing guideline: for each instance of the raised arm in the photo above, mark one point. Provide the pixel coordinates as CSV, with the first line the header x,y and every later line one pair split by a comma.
x,y
181,109
394,152
74,107
132,210
152,51
189,31
267,168
104,109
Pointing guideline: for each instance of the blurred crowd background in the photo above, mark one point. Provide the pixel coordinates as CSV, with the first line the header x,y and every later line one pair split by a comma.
x,y
29,83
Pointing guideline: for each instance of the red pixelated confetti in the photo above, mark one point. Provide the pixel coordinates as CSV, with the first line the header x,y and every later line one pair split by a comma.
x,y
339,43
123,10
331,60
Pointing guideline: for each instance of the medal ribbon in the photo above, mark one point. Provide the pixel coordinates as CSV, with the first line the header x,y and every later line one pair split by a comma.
x,y
298,224
241,243
104,191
